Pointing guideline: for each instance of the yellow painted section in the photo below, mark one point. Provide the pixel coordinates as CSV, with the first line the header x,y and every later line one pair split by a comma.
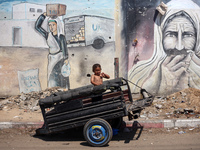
x,y
93,127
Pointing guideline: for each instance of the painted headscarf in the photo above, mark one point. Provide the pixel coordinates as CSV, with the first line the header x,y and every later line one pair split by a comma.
x,y
143,70
60,27
51,41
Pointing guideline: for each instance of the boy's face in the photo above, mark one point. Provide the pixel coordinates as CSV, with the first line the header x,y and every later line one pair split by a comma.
x,y
97,71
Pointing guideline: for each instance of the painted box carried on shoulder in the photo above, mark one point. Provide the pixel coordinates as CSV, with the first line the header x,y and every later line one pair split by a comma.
x,y
55,10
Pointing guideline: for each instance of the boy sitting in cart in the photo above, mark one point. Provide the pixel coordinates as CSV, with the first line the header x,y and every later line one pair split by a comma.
x,y
97,77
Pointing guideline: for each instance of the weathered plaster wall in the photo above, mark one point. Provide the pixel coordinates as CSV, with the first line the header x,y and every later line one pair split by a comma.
x,y
120,37
166,58
27,60
14,59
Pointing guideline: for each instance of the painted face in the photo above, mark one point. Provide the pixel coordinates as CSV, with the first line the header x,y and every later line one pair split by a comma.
x,y
97,71
179,36
52,26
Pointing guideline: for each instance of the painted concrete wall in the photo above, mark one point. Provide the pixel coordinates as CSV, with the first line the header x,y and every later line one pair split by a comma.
x,y
27,10
15,59
166,58
157,52
32,61
27,37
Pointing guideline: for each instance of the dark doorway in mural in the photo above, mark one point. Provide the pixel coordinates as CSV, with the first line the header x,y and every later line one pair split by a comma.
x,y
17,36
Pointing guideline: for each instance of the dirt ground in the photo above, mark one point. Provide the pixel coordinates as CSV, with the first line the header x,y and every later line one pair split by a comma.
x,y
147,139
20,115
24,107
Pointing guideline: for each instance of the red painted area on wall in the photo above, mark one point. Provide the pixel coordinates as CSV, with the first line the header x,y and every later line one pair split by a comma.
x,y
144,47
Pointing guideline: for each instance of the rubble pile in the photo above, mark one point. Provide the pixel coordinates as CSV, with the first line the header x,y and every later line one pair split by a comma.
x,y
27,102
182,104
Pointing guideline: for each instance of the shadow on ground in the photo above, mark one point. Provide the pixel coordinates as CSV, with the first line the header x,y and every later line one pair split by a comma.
x,y
125,134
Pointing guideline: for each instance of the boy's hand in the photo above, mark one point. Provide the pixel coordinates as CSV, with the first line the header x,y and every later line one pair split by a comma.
x,y
103,75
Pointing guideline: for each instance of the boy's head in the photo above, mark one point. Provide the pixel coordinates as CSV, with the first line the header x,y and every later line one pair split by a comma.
x,y
96,68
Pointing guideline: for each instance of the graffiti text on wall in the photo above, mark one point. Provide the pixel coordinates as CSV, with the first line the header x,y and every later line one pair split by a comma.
x,y
29,81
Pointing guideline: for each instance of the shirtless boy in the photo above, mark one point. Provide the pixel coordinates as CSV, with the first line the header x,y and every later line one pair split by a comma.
x,y
97,77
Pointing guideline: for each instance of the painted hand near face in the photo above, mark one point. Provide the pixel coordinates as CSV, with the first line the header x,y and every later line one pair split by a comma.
x,y
195,58
179,38
175,70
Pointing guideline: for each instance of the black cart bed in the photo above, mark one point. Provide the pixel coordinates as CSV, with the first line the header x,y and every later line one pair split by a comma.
x,y
74,108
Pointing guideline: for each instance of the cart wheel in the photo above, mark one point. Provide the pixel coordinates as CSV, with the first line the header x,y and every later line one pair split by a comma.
x,y
97,132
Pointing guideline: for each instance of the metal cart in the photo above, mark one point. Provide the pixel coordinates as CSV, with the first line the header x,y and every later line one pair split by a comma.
x,y
97,108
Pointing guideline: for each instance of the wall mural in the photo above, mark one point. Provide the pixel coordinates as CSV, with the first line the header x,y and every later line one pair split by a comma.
x,y
162,49
58,53
175,60
60,41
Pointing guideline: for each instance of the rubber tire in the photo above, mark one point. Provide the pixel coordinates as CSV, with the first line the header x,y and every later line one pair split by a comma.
x,y
98,44
104,124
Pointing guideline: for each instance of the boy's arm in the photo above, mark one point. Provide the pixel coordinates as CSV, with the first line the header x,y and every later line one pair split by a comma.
x,y
105,75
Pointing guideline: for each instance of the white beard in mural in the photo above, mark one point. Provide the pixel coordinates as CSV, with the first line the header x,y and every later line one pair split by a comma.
x,y
175,63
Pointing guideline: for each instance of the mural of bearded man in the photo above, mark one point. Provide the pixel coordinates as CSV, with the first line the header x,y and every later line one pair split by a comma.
x,y
175,63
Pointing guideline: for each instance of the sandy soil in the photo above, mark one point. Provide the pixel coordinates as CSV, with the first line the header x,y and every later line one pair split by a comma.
x,y
20,115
